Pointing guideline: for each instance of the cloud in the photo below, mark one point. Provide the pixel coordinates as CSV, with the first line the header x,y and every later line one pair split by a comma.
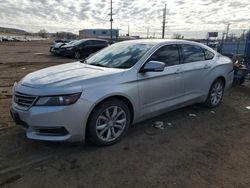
x,y
182,15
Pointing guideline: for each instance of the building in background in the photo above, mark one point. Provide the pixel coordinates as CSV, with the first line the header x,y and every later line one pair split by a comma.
x,y
98,33
65,35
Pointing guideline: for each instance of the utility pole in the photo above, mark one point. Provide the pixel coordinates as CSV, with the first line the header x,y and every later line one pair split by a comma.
x,y
222,42
111,20
227,31
164,21
147,32
128,31
243,34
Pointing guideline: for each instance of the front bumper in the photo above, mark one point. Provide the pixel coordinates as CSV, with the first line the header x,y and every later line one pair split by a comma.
x,y
54,123
54,50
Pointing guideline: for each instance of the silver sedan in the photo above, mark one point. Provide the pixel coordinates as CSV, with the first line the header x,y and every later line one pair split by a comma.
x,y
125,83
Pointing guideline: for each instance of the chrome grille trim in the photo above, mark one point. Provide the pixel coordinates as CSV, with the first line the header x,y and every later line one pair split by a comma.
x,y
24,101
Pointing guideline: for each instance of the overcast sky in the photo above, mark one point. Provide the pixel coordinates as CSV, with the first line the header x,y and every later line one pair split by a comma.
x,y
188,17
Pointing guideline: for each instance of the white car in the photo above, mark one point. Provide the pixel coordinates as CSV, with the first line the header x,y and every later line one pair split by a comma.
x,y
122,84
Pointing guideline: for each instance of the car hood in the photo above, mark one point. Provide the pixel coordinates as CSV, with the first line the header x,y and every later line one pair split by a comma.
x,y
68,46
57,45
66,75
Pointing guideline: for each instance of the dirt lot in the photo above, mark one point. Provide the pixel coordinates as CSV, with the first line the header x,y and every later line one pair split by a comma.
x,y
209,150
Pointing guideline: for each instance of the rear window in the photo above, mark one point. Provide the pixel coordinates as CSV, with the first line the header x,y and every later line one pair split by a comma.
x,y
79,42
192,53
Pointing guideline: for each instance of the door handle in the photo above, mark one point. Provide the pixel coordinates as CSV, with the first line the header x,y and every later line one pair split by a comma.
x,y
206,66
177,71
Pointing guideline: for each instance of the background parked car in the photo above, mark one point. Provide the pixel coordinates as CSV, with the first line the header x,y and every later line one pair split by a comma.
x,y
8,38
55,47
20,39
82,48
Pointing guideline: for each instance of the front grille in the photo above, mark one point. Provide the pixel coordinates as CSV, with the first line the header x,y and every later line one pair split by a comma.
x,y
24,100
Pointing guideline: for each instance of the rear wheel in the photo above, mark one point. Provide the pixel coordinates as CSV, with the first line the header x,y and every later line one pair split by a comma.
x,y
215,94
242,80
77,55
109,122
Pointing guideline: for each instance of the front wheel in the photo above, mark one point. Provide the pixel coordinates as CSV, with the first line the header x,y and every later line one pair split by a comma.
x,y
215,94
109,122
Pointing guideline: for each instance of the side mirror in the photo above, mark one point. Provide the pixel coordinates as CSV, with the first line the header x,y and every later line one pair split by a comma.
x,y
153,66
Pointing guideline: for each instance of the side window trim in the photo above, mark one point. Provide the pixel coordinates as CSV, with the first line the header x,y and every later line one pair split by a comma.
x,y
180,54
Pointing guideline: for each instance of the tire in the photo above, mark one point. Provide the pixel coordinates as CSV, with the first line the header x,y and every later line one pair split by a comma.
x,y
77,55
108,122
215,94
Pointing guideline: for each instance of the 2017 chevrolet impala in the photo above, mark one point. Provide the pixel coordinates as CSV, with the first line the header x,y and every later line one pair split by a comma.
x,y
122,84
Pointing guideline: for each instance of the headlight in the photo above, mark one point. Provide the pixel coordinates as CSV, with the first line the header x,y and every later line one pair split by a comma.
x,y
60,100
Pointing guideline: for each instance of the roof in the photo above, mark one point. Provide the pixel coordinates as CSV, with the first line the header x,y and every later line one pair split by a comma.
x,y
158,41
85,39
165,41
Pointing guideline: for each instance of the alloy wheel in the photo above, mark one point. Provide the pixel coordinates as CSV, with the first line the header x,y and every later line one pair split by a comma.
x,y
216,93
111,123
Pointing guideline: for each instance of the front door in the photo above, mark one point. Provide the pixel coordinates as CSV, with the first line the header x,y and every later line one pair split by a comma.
x,y
160,90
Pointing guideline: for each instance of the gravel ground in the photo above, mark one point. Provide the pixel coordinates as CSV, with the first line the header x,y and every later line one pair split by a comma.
x,y
209,150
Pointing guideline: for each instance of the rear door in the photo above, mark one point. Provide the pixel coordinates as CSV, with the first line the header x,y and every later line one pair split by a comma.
x,y
195,70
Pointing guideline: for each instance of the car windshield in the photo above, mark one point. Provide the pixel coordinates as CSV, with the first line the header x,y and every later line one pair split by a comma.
x,y
79,42
72,42
119,55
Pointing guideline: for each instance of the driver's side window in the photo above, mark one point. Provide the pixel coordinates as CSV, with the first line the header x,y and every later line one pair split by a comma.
x,y
168,54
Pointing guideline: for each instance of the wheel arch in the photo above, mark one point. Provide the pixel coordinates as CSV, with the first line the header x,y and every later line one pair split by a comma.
x,y
126,100
221,78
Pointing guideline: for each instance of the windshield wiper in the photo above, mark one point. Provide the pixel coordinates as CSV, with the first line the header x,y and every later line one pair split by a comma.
x,y
94,64
99,65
